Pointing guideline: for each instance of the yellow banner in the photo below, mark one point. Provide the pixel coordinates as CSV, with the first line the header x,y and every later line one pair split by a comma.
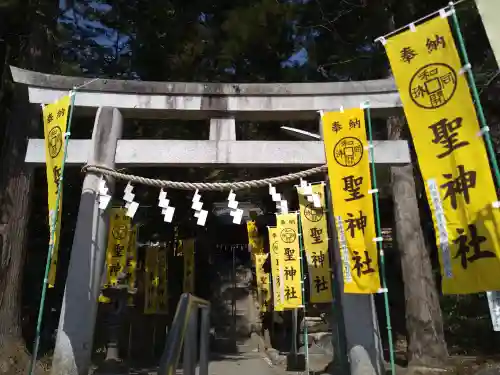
x,y
132,265
348,161
451,155
288,244
255,241
263,282
104,299
118,243
276,269
188,249
162,291
315,237
151,280
55,119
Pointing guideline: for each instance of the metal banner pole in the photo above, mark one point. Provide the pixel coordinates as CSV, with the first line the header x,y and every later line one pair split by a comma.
x,y
379,239
304,264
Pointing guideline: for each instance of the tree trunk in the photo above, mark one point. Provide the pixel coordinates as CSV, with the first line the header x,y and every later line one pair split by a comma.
x,y
424,322
16,178
15,189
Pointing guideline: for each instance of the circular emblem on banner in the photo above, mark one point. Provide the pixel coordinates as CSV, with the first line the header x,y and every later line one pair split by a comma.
x,y
348,151
433,85
275,247
119,232
312,213
288,235
55,141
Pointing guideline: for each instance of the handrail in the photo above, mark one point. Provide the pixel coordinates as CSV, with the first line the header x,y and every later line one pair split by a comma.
x,y
184,333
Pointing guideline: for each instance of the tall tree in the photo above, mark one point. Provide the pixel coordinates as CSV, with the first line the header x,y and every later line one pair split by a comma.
x,y
27,32
424,320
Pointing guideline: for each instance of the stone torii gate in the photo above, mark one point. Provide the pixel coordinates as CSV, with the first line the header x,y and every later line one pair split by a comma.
x,y
221,105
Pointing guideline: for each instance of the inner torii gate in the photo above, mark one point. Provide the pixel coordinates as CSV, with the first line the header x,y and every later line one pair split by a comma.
x,y
221,105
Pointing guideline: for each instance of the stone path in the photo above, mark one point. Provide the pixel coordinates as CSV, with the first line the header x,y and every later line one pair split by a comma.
x,y
237,364
243,364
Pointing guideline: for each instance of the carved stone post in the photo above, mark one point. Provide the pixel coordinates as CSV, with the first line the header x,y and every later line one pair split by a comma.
x,y
79,309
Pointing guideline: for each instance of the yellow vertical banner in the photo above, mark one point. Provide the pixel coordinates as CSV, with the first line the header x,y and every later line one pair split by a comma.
x,y
188,250
276,269
118,243
315,239
132,265
287,227
347,156
151,280
162,286
55,120
255,241
263,279
451,155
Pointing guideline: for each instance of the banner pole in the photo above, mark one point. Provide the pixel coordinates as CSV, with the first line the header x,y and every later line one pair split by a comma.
x,y
379,235
303,278
475,95
53,221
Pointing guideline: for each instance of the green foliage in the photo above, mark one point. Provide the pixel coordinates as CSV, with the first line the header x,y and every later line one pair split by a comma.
x,y
245,41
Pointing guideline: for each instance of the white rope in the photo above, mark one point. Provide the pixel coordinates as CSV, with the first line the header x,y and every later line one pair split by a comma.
x,y
203,186
450,5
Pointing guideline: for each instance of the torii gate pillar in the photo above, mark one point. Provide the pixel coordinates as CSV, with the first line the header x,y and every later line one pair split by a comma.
x,y
75,334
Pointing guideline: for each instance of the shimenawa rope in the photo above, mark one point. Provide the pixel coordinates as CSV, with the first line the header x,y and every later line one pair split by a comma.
x,y
203,186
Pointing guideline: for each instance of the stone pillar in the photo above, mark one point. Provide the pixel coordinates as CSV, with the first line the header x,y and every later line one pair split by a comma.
x,y
79,308
223,129
364,345
489,11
